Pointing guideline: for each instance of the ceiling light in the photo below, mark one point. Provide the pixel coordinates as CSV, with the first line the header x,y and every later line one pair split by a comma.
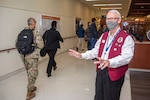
x,y
111,8
91,0
137,19
148,16
107,4
142,4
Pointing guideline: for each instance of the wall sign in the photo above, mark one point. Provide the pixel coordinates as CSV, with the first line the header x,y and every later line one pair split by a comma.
x,y
45,23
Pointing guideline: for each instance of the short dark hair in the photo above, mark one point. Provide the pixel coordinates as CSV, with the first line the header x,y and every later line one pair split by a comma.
x,y
53,24
31,21
93,19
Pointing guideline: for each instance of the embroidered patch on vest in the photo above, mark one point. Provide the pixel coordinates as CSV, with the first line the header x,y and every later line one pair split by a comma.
x,y
103,41
120,39
115,49
116,44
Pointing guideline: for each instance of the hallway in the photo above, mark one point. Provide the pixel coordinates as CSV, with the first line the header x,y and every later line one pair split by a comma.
x,y
74,79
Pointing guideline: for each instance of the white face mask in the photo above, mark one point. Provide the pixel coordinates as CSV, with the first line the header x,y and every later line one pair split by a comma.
x,y
111,24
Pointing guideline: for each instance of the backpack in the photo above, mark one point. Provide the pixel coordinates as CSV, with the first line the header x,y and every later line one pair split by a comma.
x,y
25,44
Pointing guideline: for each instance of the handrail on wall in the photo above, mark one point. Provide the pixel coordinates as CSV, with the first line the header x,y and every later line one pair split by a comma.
x,y
7,49
15,48
69,37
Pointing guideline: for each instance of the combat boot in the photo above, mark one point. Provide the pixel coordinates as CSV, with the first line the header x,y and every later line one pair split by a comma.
x,y
30,95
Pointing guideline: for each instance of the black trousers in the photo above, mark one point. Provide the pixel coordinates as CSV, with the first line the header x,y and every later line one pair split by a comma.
x,y
105,88
51,62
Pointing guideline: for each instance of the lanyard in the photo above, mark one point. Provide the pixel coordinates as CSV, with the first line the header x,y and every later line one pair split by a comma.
x,y
108,46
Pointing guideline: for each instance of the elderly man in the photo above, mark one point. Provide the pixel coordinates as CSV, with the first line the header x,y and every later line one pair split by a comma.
x,y
114,50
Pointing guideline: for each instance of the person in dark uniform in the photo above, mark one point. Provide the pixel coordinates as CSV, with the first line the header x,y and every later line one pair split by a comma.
x,y
93,34
80,34
51,38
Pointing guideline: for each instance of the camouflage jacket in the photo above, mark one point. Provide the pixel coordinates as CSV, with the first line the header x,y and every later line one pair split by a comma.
x,y
38,41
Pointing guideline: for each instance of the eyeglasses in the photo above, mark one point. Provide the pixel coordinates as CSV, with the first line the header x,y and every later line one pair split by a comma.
x,y
111,18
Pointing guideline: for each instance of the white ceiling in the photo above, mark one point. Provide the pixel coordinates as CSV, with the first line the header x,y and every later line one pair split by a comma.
x,y
125,5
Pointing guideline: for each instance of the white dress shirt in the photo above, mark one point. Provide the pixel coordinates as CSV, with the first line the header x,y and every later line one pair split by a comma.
x,y
120,60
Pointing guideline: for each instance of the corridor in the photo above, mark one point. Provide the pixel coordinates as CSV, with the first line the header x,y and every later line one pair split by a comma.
x,y
73,80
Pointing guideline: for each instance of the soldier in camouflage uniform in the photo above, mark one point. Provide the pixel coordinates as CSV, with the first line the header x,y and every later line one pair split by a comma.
x,y
31,60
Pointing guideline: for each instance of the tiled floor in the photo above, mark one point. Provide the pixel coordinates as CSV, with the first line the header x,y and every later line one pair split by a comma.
x,y
73,80
140,85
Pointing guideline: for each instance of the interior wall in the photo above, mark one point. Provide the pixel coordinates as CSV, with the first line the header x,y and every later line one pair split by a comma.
x,y
14,14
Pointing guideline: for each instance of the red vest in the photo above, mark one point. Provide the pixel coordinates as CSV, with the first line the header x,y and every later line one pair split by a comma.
x,y
115,50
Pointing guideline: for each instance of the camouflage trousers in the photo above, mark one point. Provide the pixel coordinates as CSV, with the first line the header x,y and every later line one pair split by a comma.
x,y
31,65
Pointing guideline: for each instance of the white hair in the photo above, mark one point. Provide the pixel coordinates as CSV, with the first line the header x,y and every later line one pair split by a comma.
x,y
116,12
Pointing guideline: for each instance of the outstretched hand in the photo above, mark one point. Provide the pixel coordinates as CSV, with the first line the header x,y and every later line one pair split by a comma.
x,y
102,63
74,53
